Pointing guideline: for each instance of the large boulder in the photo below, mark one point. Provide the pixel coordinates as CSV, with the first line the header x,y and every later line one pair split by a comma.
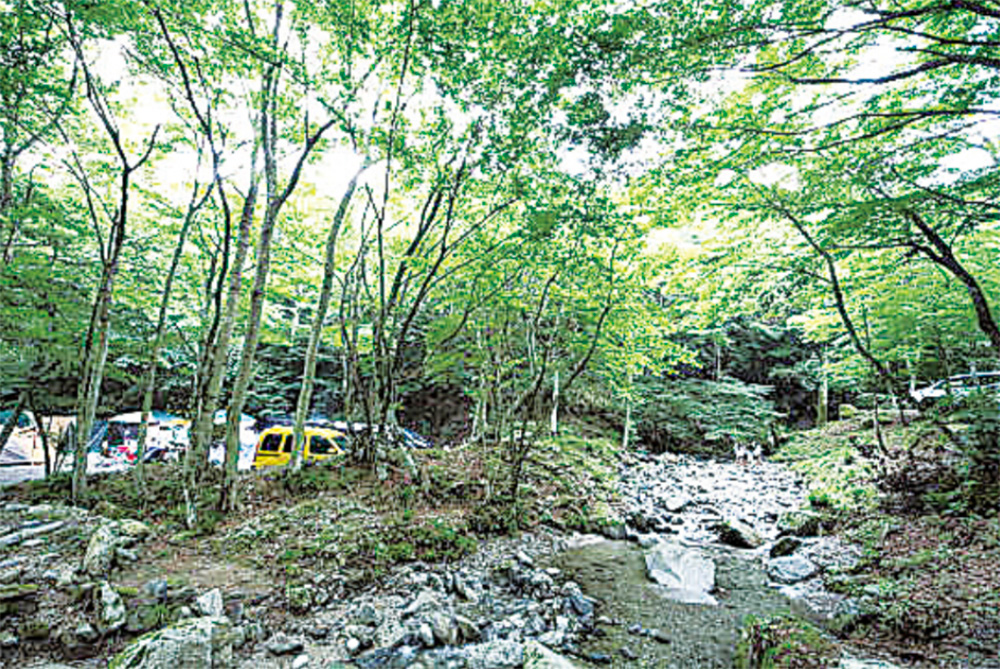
x,y
494,655
791,569
101,550
737,533
686,573
108,542
195,643
785,546
210,604
112,608
799,524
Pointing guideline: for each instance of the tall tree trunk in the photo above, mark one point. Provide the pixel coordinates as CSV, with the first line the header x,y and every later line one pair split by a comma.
x,y
554,418
275,201
43,434
96,356
838,295
316,333
149,378
241,386
822,392
7,199
627,431
218,351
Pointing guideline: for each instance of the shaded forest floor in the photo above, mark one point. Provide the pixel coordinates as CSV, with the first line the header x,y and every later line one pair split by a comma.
x,y
926,586
928,580
297,541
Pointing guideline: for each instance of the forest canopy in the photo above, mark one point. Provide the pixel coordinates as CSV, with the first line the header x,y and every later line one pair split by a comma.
x,y
465,217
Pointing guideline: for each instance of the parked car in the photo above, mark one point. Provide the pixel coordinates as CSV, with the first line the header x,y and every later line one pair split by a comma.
x,y
274,447
958,387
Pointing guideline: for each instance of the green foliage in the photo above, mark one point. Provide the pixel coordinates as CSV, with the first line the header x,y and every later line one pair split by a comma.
x,y
784,643
976,478
498,517
702,416
833,461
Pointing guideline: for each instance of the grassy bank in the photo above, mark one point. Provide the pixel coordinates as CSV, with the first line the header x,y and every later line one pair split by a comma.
x,y
919,506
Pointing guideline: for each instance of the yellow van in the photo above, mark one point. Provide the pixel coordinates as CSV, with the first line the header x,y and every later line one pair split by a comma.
x,y
274,447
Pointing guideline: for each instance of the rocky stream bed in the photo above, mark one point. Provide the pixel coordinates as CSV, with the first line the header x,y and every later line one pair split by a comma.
x,y
691,549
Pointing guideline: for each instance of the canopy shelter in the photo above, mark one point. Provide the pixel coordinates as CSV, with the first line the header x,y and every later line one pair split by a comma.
x,y
220,418
155,418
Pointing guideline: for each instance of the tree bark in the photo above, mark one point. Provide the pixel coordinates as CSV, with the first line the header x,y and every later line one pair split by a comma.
x,y
822,393
838,295
149,378
627,431
943,255
218,350
43,434
316,333
275,201
554,418
95,356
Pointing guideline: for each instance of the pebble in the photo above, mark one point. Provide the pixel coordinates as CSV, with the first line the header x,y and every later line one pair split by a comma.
x,y
157,588
581,605
282,645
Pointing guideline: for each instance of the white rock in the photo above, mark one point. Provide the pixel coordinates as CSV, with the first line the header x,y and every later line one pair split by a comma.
x,y
210,604
791,569
537,656
199,643
686,573
112,608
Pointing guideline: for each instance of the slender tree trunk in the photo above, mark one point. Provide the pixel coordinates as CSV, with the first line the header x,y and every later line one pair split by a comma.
x,y
943,255
822,392
7,200
627,432
316,333
275,201
212,371
838,296
149,378
215,359
242,384
43,434
554,418
96,355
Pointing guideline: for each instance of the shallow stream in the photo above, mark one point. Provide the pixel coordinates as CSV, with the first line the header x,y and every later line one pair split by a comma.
x,y
688,635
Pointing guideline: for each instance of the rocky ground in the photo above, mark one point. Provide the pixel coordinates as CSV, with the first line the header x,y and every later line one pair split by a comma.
x,y
682,552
